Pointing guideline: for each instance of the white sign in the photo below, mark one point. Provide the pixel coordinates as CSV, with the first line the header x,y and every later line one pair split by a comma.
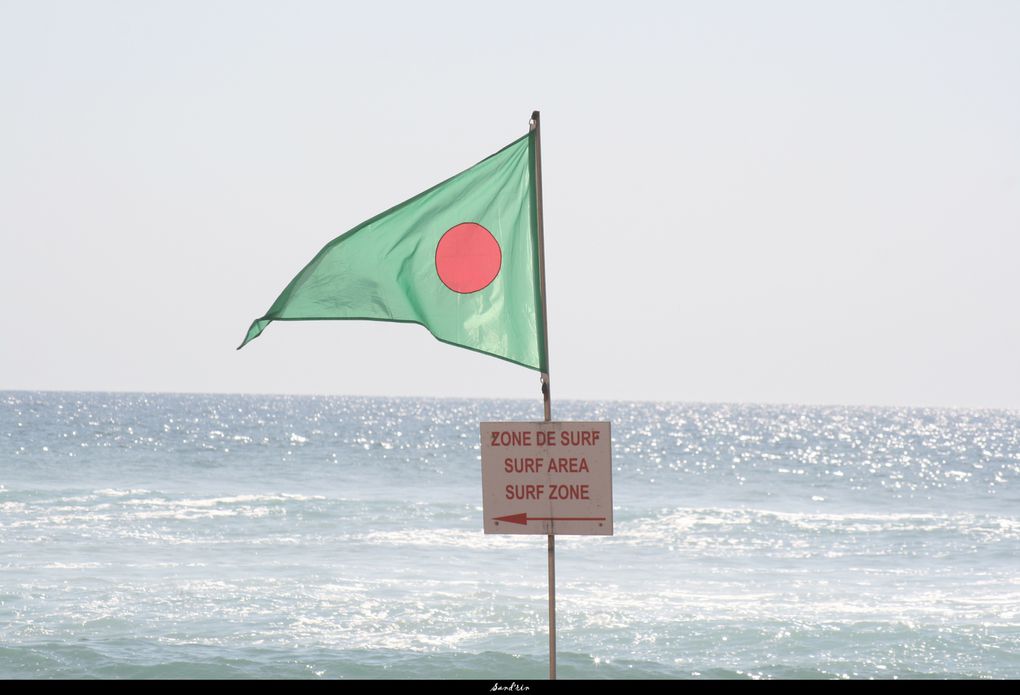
x,y
547,477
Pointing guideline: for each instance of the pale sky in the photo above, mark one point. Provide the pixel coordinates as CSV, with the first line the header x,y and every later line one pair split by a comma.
x,y
787,202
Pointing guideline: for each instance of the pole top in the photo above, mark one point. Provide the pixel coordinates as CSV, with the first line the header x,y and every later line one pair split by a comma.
x,y
534,118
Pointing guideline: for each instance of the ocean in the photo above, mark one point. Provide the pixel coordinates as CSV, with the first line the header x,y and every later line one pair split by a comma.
x,y
230,536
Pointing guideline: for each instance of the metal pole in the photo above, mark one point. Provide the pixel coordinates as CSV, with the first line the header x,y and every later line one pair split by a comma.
x,y
552,606
546,398
536,127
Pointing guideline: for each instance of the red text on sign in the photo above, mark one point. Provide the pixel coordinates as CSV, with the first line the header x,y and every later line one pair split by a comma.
x,y
524,492
571,465
522,465
582,438
568,492
511,438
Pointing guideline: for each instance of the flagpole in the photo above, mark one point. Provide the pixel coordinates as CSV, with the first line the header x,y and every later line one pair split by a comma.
x,y
537,128
546,398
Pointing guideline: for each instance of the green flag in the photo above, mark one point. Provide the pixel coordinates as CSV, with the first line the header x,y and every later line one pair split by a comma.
x,y
460,259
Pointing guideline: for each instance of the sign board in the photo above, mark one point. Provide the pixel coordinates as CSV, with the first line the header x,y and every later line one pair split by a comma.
x,y
547,477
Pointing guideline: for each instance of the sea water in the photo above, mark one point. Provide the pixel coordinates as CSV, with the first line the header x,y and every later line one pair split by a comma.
x,y
188,536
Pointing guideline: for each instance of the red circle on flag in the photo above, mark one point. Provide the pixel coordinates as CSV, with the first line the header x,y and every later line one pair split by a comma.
x,y
468,258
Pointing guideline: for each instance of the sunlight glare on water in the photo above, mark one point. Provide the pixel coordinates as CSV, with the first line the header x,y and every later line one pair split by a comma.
x,y
273,536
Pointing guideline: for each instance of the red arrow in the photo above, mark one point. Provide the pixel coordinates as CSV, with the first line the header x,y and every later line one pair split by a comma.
x,y
523,519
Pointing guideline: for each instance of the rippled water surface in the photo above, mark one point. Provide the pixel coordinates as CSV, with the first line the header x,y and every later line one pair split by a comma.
x,y
267,536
